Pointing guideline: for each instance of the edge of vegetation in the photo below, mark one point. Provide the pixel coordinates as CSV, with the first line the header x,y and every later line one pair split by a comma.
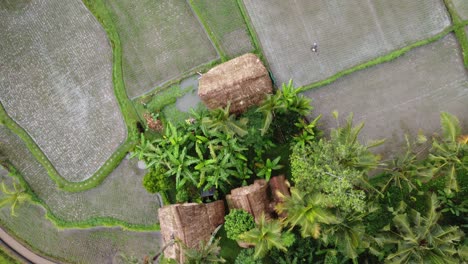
x,y
63,224
385,58
251,31
208,31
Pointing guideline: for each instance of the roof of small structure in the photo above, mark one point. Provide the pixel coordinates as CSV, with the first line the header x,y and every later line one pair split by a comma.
x,y
243,81
190,223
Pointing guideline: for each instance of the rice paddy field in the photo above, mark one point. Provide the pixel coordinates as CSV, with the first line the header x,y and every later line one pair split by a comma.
x,y
94,245
347,33
462,8
402,96
161,40
224,21
61,76
56,82
121,197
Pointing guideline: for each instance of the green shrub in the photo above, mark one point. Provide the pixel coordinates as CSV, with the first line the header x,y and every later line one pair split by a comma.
x,y
246,256
155,181
238,222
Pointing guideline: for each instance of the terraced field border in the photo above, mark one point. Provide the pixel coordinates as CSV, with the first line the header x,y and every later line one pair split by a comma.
x,y
459,29
62,224
208,31
252,33
385,58
126,108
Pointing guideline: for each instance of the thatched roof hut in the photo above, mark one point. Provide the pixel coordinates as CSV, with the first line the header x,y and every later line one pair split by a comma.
x,y
243,81
279,187
189,222
253,199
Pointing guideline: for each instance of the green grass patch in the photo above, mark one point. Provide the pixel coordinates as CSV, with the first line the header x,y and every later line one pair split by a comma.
x,y
385,58
459,29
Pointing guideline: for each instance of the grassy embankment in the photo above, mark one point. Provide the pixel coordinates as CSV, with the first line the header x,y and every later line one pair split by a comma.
x,y
459,29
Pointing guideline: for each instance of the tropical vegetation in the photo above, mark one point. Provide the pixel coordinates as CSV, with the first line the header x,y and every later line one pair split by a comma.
x,y
346,204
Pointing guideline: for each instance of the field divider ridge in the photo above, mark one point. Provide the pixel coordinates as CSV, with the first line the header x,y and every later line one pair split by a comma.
x,y
378,60
64,224
214,40
459,29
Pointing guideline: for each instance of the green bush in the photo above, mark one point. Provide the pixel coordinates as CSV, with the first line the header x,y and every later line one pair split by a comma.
x,y
246,256
155,181
238,222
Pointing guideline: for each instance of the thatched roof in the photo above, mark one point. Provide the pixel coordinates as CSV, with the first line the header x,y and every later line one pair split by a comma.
x,y
189,222
253,199
243,81
278,186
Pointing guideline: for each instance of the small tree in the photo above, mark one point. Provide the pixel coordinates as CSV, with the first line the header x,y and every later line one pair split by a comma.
x,y
267,235
420,239
237,222
13,197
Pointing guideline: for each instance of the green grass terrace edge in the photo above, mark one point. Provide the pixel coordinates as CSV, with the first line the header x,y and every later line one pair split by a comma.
x,y
62,183
208,31
127,109
251,30
459,29
63,224
385,58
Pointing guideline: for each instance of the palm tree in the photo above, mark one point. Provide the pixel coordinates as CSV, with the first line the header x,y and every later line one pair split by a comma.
x,y
292,101
349,235
447,155
404,171
306,212
220,120
421,239
267,235
13,197
268,107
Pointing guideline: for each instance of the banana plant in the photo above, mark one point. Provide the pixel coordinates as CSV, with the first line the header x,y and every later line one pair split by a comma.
x,y
266,169
308,134
220,120
448,154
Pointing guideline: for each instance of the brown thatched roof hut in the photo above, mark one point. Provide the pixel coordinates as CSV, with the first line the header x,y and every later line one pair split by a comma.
x,y
253,199
279,185
243,81
189,222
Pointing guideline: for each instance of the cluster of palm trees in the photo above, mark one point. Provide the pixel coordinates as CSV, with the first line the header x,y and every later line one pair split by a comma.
x,y
407,236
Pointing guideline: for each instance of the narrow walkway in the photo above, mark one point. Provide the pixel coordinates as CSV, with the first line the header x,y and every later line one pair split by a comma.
x,y
21,250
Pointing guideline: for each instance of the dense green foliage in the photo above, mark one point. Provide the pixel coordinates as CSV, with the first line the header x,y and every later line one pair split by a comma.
x,y
266,236
217,150
246,256
238,222
335,167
